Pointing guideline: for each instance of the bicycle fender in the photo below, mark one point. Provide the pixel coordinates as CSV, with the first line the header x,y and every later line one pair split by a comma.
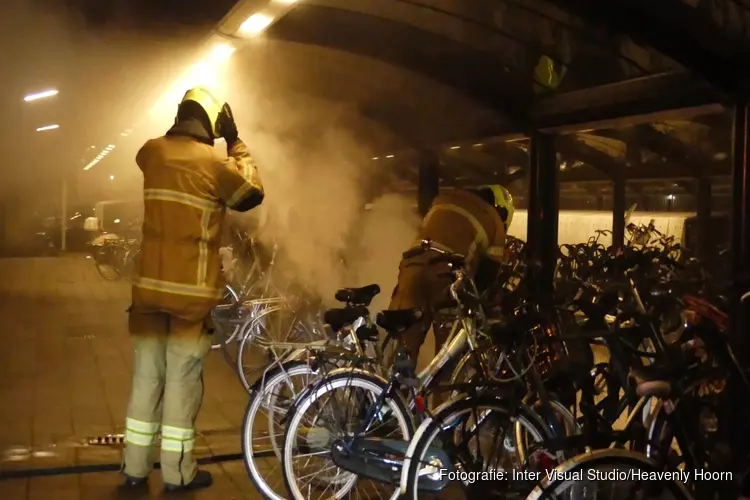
x,y
357,371
319,383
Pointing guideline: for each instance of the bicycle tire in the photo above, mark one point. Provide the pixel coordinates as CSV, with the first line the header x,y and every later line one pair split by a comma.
x,y
431,427
338,379
226,340
256,323
261,393
112,276
100,254
552,487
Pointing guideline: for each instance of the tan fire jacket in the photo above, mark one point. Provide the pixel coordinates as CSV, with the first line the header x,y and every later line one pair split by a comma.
x,y
187,187
465,224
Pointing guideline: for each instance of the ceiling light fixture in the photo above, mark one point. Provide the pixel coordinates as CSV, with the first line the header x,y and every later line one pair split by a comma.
x,y
255,24
100,157
40,95
222,52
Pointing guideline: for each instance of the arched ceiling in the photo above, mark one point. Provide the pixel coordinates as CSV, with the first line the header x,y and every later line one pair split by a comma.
x,y
710,37
410,109
504,55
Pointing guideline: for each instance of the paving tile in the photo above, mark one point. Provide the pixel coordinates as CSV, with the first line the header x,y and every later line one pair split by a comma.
x,y
65,374
55,487
14,489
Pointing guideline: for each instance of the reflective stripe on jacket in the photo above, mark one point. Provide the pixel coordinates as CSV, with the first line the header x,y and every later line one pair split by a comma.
x,y
465,224
187,186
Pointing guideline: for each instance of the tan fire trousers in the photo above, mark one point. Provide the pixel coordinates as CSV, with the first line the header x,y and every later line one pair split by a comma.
x,y
425,286
167,394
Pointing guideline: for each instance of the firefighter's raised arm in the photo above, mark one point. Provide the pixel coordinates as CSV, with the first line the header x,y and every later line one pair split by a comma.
x,y
238,182
237,179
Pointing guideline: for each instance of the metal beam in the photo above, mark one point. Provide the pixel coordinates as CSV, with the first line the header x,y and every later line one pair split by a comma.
x,y
669,147
678,31
456,165
638,173
429,181
574,149
640,100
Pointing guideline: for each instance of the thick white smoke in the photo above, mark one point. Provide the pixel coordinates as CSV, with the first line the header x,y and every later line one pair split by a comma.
x,y
318,176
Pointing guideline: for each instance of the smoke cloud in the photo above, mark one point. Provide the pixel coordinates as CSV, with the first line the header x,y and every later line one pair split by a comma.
x,y
315,158
318,178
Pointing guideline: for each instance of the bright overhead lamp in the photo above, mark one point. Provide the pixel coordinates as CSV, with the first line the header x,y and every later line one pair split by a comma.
x,y
286,2
47,127
40,95
221,52
111,177
255,24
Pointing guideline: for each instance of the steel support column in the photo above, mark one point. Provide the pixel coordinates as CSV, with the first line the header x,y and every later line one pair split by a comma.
x,y
543,209
703,216
739,312
429,181
740,224
618,210
64,214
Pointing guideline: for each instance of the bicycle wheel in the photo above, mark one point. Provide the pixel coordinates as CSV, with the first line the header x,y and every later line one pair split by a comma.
x,y
314,429
225,330
102,258
269,326
608,474
263,426
473,437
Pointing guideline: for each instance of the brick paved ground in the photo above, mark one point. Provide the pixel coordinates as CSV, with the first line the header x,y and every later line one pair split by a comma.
x,y
65,367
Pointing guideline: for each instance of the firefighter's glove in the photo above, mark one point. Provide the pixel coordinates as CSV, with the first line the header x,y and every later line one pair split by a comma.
x,y
226,125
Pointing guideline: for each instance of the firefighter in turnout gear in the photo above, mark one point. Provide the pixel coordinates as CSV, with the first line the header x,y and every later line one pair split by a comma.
x,y
472,223
187,187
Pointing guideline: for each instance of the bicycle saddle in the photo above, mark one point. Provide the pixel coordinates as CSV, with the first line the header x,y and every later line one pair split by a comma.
x,y
651,380
397,320
339,318
359,296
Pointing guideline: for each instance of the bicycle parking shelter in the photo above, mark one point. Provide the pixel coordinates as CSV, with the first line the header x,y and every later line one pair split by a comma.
x,y
558,93
560,85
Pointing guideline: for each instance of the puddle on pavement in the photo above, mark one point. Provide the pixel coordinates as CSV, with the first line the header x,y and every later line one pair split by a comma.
x,y
22,454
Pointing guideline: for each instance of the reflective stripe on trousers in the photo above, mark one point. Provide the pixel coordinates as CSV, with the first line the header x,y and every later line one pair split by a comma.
x,y
141,433
177,439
